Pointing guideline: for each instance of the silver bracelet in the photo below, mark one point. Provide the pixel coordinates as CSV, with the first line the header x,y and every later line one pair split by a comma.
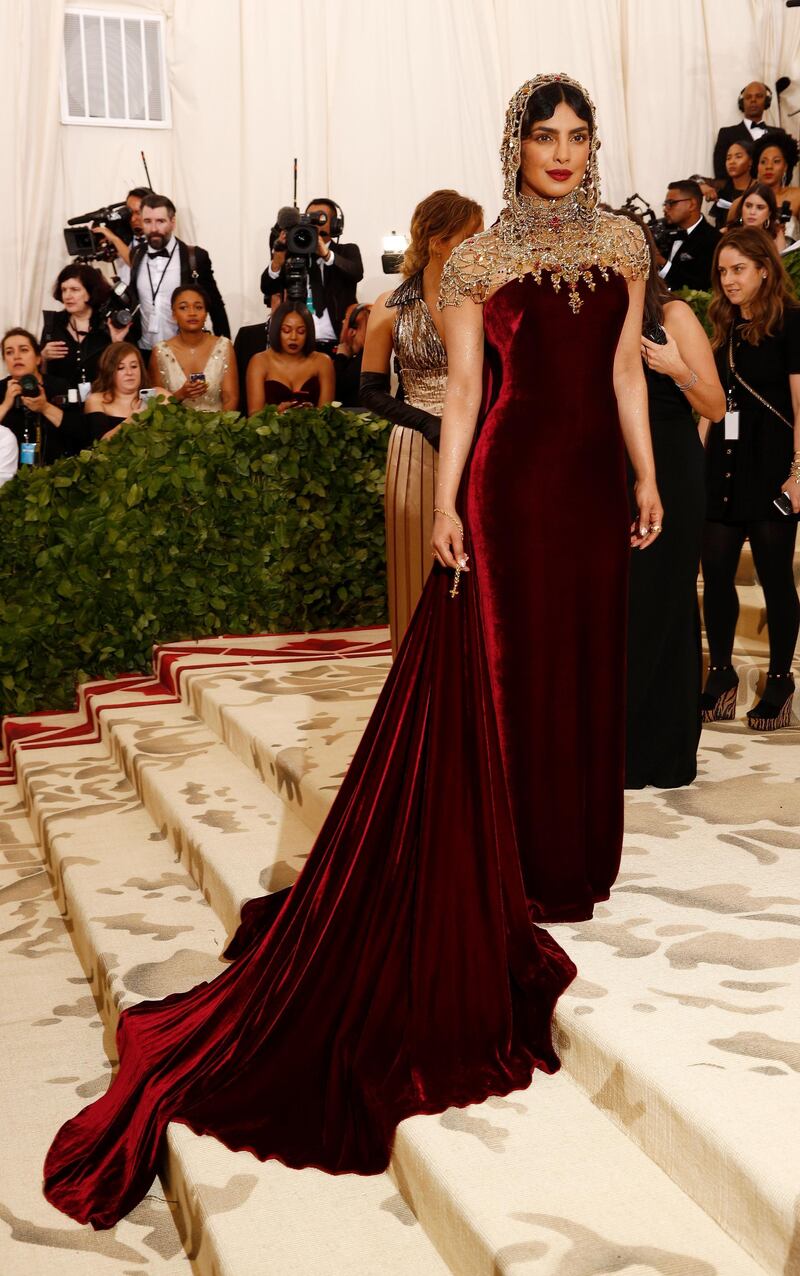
x,y
692,379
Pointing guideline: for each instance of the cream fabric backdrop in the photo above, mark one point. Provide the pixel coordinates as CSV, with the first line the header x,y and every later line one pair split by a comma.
x,y
382,101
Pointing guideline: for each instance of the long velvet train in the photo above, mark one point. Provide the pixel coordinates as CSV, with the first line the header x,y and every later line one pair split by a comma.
x,y
401,974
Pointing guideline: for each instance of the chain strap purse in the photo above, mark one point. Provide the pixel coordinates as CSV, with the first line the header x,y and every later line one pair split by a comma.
x,y
738,377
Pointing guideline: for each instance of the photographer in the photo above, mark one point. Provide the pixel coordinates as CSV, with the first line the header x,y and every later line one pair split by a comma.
x,y
333,276
348,355
131,236
33,406
694,239
74,338
162,264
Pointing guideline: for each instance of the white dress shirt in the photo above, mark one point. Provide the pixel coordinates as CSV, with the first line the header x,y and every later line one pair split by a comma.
x,y
9,454
756,130
156,280
664,271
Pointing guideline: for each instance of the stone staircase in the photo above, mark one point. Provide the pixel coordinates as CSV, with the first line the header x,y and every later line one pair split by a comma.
x,y
665,1145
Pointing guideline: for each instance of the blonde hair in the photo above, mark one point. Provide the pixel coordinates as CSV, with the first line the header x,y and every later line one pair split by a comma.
x,y
437,216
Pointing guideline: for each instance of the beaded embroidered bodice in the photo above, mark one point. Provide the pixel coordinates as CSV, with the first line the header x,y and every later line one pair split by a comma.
x,y
173,376
419,349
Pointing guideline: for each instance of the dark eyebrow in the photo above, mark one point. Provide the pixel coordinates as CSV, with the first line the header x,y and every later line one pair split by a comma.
x,y
547,128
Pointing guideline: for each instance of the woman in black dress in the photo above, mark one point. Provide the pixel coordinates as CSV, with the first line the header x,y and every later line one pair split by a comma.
x,y
664,655
44,418
117,391
752,458
74,338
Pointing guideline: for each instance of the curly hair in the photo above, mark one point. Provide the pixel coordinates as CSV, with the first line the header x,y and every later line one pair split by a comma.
x,y
772,299
95,283
438,216
781,142
110,360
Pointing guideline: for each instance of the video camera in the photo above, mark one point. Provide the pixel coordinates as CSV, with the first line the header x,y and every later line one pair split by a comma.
x,y
87,244
301,232
663,233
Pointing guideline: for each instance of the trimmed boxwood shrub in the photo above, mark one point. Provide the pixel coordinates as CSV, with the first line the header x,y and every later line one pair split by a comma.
x,y
187,524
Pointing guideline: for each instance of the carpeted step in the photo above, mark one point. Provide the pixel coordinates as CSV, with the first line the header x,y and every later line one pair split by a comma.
x,y
142,929
53,1062
527,1190
675,1047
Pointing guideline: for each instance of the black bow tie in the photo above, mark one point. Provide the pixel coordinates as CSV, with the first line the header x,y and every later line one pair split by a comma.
x,y
162,252
759,125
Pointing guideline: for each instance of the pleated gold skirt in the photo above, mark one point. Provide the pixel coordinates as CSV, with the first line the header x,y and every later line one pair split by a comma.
x,y
409,498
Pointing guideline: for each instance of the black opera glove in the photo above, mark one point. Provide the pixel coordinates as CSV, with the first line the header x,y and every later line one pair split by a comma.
x,y
374,394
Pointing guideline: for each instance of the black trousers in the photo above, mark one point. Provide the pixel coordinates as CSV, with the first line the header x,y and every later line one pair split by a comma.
x,y
772,544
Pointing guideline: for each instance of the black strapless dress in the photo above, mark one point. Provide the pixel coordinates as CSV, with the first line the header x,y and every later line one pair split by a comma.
x,y
403,972
664,648
306,396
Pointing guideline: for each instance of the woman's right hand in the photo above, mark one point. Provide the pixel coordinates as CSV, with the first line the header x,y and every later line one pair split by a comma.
x,y
447,541
190,390
55,350
13,390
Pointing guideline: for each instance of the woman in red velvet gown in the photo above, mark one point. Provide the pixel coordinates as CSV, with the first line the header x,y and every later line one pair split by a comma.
x,y
403,972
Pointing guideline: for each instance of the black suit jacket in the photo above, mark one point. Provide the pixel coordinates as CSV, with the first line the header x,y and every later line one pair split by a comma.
x,y
339,282
202,274
691,266
726,137
251,340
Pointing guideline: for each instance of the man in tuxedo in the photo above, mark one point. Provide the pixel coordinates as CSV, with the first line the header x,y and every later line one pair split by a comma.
x,y
689,262
333,276
159,266
754,100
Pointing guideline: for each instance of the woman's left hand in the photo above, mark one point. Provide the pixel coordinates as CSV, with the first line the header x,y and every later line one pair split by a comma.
x,y
647,527
35,402
793,489
666,359
118,334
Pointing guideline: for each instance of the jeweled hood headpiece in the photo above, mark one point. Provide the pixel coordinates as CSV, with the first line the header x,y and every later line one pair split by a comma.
x,y
585,198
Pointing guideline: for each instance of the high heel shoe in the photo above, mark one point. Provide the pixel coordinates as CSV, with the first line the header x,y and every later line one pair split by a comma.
x,y
774,709
718,701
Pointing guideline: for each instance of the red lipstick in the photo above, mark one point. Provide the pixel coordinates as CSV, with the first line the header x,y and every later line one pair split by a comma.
x,y
559,174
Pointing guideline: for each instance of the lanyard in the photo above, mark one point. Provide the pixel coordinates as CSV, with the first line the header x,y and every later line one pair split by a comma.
x,y
155,291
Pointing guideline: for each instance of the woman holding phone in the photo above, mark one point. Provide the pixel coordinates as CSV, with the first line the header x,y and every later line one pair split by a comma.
x,y
194,366
118,391
752,469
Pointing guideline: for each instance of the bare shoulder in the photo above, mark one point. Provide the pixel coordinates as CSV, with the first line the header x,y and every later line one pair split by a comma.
x,y
472,269
623,245
94,402
680,318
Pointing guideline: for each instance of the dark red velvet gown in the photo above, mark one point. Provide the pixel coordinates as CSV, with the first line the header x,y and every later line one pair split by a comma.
x,y
403,973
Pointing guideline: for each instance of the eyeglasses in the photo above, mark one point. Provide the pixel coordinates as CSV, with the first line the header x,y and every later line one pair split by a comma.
x,y
670,203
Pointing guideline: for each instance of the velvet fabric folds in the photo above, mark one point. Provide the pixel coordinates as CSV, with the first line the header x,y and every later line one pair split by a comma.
x,y
403,972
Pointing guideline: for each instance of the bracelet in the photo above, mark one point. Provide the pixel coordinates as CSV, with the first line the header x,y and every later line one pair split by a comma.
x,y
452,518
794,470
692,379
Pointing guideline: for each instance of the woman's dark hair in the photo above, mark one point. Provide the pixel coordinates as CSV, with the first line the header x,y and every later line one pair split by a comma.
x,y
544,100
746,144
201,292
110,360
783,143
771,300
291,308
21,332
768,195
656,292
96,285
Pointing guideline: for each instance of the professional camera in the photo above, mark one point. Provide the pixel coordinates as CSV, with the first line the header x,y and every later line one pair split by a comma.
x,y
661,230
87,244
116,309
301,232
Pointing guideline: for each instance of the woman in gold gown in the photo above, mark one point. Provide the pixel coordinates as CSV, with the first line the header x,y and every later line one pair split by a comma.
x,y
407,323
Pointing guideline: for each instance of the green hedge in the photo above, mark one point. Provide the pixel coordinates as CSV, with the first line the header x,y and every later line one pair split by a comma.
x,y
187,524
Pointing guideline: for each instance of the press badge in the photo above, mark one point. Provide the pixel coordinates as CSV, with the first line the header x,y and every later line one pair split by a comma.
x,y
84,390
732,424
